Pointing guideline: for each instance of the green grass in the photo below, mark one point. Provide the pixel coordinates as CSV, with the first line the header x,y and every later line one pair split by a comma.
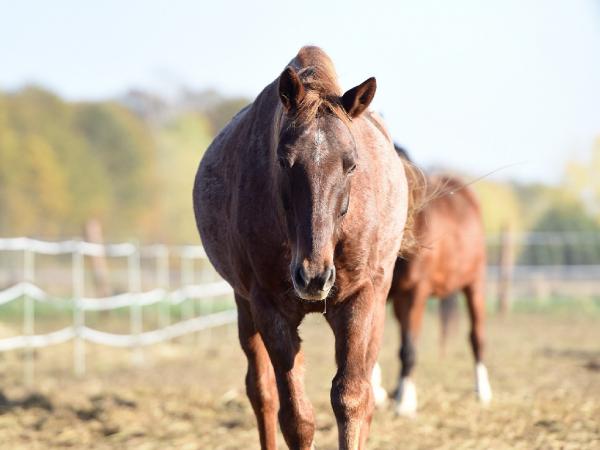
x,y
558,305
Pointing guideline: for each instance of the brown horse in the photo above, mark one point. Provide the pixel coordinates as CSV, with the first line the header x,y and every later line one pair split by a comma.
x,y
300,202
450,257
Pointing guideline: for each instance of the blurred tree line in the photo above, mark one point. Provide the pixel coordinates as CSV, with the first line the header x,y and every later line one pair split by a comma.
x,y
129,163
564,218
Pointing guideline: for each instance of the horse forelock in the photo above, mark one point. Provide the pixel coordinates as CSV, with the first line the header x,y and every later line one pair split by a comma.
x,y
321,98
322,90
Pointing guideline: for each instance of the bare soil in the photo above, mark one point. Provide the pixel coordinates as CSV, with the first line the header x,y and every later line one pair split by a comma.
x,y
544,370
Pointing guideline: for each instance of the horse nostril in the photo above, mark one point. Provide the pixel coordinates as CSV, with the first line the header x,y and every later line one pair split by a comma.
x,y
300,277
328,278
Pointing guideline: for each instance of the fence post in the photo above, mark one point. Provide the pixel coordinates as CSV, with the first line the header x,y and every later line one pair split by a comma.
x,y
188,307
207,303
187,279
207,276
78,312
505,270
28,314
162,274
135,311
93,233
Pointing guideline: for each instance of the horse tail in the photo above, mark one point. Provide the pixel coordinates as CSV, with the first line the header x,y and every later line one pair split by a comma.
x,y
448,319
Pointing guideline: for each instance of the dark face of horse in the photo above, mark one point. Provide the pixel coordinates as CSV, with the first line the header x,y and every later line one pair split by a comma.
x,y
316,161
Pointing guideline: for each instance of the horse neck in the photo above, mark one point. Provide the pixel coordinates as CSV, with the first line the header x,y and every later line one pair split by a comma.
x,y
275,130
259,165
267,116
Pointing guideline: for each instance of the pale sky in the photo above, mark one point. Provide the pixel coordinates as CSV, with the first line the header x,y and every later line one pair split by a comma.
x,y
471,85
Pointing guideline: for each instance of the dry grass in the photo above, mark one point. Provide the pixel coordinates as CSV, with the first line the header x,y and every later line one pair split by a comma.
x,y
544,369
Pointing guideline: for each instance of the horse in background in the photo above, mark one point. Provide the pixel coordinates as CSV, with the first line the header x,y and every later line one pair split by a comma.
x,y
299,202
448,309
449,258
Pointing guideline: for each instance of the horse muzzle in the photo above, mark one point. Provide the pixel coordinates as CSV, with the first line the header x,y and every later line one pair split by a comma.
x,y
313,286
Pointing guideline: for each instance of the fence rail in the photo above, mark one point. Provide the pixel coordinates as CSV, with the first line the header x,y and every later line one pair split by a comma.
x,y
134,299
521,265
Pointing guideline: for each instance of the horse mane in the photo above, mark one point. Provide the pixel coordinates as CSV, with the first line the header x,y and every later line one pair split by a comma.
x,y
402,152
450,185
418,197
322,90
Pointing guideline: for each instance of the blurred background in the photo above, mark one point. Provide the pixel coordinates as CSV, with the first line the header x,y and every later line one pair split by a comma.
x,y
107,107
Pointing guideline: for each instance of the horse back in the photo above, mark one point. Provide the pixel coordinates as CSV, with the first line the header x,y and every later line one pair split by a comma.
x,y
450,250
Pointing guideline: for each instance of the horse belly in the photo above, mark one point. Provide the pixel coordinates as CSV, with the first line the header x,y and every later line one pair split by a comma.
x,y
211,206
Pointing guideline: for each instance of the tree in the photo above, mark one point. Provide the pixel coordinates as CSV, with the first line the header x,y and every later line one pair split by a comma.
x,y
582,180
131,166
500,206
181,144
125,151
571,236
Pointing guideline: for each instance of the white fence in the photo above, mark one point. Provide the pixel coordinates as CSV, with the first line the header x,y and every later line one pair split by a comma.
x,y
539,266
134,299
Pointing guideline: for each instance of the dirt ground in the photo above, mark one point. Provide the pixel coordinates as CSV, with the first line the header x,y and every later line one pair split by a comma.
x,y
544,370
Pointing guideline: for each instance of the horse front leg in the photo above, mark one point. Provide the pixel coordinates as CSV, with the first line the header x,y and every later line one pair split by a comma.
x,y
280,336
260,378
356,348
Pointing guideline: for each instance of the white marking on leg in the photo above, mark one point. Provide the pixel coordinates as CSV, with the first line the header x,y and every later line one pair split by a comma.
x,y
482,384
406,398
379,393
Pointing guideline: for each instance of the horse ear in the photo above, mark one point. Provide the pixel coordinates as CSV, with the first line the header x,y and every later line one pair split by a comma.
x,y
357,99
291,89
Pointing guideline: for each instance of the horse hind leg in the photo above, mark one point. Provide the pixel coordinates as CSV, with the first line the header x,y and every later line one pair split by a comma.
x,y
476,306
406,393
409,311
380,395
448,311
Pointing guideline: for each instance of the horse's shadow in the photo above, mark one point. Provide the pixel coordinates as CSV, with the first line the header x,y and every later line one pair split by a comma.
x,y
29,401
589,359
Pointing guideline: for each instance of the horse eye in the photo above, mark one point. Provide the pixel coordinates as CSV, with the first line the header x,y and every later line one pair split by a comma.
x,y
351,169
